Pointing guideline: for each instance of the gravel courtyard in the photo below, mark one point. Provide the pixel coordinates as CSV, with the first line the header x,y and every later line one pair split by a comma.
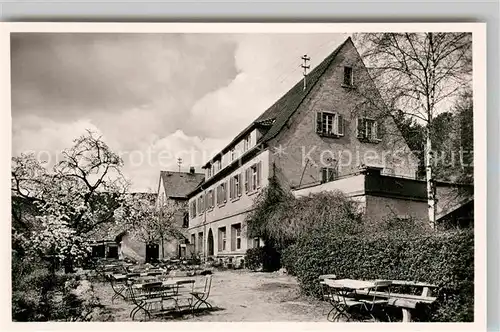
x,y
240,296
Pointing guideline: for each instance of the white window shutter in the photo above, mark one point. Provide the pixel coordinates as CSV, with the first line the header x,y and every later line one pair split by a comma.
x,y
374,130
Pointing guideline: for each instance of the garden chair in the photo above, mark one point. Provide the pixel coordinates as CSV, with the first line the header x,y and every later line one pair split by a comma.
x,y
373,302
184,293
202,295
342,301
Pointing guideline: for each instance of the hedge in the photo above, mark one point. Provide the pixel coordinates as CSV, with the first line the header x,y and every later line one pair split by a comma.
x,y
444,259
265,257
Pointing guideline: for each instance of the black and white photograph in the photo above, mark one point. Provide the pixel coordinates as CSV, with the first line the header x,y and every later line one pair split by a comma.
x,y
272,175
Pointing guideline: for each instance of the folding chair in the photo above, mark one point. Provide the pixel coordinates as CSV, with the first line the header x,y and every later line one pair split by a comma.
x,y
202,295
184,291
373,302
342,301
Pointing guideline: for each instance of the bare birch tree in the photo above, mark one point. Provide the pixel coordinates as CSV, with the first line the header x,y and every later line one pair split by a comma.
x,y
419,73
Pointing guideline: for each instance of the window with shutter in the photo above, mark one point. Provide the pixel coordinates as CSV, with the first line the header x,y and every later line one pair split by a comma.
x,y
324,175
328,174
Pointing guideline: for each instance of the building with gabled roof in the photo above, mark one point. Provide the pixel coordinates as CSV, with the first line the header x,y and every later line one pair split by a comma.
x,y
174,187
332,133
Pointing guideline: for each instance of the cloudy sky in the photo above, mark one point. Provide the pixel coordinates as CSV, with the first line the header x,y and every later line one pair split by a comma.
x,y
153,97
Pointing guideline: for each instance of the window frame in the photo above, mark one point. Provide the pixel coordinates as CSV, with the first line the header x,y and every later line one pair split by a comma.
x,y
374,130
222,239
349,84
331,174
337,124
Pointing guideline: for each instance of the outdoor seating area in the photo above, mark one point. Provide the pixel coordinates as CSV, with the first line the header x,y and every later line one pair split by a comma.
x,y
356,300
154,290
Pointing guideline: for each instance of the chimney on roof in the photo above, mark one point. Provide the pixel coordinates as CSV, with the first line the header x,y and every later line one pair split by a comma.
x,y
191,170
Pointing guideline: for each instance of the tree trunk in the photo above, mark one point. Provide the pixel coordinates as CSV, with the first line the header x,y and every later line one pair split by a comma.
x,y
162,247
431,200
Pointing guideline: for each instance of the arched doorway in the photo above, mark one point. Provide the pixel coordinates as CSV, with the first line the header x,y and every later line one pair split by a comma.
x,y
210,243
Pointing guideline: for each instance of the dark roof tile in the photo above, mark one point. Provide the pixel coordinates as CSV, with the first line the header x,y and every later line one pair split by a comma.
x,y
179,184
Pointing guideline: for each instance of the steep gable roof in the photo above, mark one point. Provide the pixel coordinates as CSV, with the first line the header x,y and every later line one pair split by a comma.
x,y
179,184
276,116
286,106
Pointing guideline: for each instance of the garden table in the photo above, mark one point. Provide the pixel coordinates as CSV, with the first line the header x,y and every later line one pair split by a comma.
x,y
407,302
150,295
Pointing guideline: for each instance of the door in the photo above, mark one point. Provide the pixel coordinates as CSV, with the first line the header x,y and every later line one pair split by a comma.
x,y
113,252
152,252
210,240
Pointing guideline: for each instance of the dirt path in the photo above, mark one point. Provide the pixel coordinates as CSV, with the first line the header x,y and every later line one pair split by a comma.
x,y
242,296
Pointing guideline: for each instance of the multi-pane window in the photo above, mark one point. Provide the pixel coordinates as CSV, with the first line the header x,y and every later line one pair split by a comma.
x,y
201,204
329,124
368,129
221,194
218,165
246,143
193,241
235,237
348,77
210,199
222,239
235,186
328,174
209,171
193,208
253,177
200,242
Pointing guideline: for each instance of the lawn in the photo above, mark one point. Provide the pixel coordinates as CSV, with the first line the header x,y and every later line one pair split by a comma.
x,y
239,295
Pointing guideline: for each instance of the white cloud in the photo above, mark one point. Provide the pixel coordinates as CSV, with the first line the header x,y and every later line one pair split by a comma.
x,y
268,66
166,119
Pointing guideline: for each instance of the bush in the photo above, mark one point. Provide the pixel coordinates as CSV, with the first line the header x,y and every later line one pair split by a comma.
x,y
267,258
444,259
42,294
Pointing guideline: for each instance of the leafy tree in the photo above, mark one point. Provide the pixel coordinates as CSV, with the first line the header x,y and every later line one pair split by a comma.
x,y
150,221
66,202
416,72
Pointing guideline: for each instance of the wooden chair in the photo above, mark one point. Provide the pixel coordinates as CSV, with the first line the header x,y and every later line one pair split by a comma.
x,y
202,295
